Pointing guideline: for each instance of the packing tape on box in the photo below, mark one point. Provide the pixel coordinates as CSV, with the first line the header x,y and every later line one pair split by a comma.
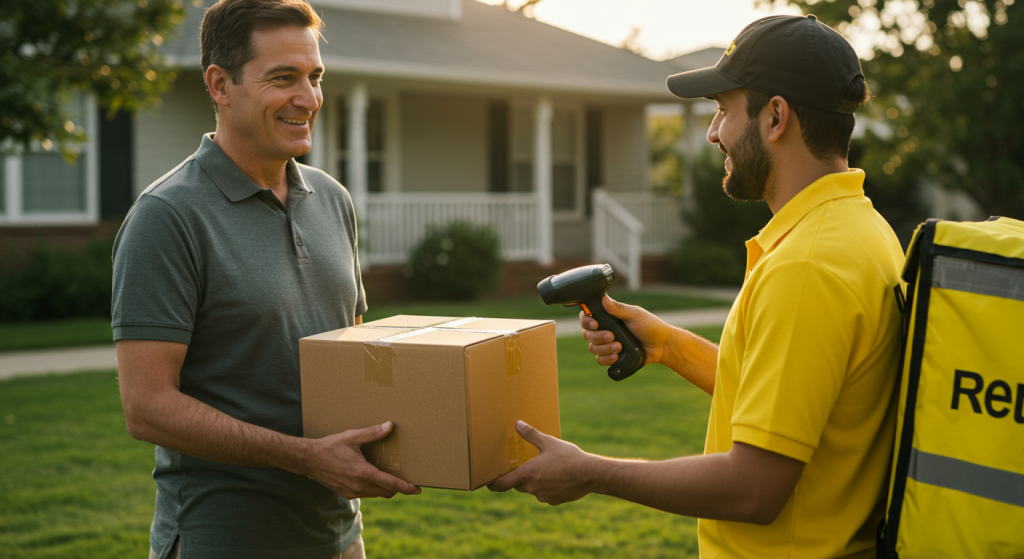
x,y
378,357
513,355
377,361
516,450
377,364
384,454
513,348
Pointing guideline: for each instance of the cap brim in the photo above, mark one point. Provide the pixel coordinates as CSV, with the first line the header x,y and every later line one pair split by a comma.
x,y
704,82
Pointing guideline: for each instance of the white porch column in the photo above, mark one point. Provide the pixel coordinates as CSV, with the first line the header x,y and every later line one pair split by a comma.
x,y
356,164
92,159
689,147
12,193
318,140
542,178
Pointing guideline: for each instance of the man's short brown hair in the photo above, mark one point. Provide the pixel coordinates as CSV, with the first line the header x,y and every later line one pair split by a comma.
x,y
225,37
826,133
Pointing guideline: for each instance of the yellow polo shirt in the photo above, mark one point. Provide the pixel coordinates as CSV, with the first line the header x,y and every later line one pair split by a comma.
x,y
806,369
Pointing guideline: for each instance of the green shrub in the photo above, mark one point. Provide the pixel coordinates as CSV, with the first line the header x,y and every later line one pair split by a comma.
x,y
897,196
715,253
58,283
706,263
458,261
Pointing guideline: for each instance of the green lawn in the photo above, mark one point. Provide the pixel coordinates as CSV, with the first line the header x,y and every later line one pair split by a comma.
x,y
74,483
94,331
55,333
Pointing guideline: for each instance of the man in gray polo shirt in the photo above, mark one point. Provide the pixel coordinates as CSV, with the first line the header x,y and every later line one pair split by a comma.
x,y
220,267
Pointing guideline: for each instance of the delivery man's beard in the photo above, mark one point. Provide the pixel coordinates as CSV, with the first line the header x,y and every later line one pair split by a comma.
x,y
751,166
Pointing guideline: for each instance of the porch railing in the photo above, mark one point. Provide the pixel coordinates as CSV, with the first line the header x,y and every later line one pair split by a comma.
x,y
617,237
626,225
663,226
397,222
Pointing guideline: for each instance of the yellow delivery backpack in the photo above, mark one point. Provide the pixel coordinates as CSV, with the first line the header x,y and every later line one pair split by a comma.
x,y
957,485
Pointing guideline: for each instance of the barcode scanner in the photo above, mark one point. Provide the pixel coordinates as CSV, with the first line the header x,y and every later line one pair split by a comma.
x,y
585,286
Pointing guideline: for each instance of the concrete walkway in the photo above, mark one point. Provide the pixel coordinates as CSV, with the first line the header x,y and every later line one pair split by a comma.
x,y
64,360
69,360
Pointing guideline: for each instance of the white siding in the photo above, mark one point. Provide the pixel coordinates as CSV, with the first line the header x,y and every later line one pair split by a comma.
x,y
572,239
625,148
164,137
951,204
444,144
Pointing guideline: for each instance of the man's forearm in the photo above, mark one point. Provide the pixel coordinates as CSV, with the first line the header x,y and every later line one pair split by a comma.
x,y
746,484
692,357
721,486
690,486
179,422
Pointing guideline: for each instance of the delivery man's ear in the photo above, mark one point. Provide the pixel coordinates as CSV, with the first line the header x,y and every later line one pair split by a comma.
x,y
780,118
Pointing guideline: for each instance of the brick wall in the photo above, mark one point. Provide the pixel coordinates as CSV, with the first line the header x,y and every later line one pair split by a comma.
x,y
16,243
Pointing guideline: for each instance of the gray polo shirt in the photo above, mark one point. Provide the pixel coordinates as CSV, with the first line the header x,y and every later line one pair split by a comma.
x,y
207,258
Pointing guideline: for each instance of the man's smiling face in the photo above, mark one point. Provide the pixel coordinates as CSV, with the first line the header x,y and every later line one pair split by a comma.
x,y
749,164
276,103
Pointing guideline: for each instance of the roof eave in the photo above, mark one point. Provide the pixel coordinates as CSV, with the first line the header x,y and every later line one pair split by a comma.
x,y
479,76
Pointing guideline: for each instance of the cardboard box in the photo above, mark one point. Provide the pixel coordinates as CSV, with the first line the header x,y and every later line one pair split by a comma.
x,y
453,387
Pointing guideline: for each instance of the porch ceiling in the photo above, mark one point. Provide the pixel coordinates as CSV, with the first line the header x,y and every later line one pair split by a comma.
x,y
489,45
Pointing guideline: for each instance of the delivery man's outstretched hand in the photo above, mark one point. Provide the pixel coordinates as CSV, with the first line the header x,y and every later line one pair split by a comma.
x,y
557,475
337,462
652,332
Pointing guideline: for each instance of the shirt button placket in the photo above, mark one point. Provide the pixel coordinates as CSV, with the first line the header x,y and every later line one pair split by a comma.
x,y
300,247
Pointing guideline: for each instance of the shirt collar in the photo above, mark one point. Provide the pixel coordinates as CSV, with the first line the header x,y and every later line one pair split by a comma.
x,y
827,188
231,180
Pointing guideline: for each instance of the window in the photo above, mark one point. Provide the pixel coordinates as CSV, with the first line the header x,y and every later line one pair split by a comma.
x,y
51,184
375,142
566,157
521,156
39,185
566,193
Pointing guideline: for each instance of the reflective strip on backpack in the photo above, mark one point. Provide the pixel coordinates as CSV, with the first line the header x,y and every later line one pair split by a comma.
x,y
978,277
959,475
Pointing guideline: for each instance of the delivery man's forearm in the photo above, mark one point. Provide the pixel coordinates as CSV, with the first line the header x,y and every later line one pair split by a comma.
x,y
693,358
747,484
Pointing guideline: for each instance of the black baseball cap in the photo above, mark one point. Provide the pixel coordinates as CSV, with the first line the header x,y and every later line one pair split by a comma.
x,y
797,57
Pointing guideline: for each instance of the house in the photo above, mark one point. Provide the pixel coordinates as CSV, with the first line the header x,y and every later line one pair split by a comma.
x,y
433,110
696,114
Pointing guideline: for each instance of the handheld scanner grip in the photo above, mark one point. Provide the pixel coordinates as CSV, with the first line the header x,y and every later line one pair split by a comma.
x,y
632,356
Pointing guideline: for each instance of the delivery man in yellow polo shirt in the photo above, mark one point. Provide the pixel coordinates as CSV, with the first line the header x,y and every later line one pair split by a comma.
x,y
802,415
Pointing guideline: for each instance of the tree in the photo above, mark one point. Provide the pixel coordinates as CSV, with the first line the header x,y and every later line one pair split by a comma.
x,y
525,7
52,49
632,41
714,252
948,82
666,163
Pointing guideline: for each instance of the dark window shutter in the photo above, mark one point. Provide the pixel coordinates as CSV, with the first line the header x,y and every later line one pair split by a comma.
x,y
116,164
594,155
498,145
